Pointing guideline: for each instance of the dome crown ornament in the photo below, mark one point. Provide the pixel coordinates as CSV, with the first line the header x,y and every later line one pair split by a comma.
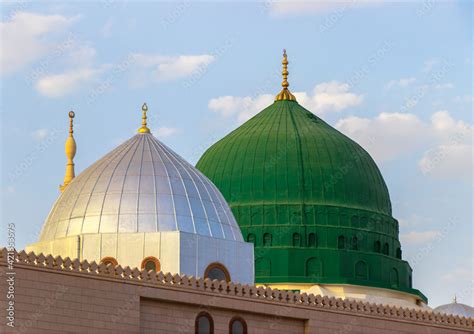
x,y
70,149
285,94
144,128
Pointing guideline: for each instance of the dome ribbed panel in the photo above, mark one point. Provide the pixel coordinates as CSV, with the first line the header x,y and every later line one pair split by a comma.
x,y
141,186
285,154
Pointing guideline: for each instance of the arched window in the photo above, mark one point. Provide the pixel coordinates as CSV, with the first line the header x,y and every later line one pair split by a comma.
x,y
394,282
341,242
109,260
204,324
296,240
267,240
312,240
354,243
399,253
410,283
217,271
251,238
151,263
361,270
377,246
314,267
385,248
237,325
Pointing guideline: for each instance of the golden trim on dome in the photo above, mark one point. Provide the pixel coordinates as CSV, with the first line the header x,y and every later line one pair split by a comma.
x,y
70,149
144,128
285,94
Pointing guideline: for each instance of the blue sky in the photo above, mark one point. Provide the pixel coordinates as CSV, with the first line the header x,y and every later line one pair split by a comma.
x,y
396,77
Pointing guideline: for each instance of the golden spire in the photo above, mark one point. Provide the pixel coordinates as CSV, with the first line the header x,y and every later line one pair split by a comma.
x,y
285,94
144,128
70,149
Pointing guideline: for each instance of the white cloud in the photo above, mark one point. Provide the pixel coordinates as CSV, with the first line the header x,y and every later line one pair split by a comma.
x,y
166,68
387,136
243,108
314,7
40,134
452,161
446,143
404,82
57,85
452,157
164,132
148,68
27,37
80,71
415,220
417,238
445,126
329,96
325,97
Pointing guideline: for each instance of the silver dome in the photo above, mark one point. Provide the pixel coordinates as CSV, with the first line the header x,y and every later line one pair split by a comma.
x,y
456,308
141,186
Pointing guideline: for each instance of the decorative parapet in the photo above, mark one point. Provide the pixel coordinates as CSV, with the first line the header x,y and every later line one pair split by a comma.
x,y
236,289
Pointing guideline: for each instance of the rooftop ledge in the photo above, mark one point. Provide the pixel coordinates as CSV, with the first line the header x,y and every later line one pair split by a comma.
x,y
231,289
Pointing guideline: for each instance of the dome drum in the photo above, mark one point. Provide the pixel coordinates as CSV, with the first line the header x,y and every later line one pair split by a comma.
x,y
177,251
326,266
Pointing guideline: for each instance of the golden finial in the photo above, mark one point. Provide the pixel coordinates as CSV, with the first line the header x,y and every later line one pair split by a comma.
x,y
285,94
70,149
455,300
144,128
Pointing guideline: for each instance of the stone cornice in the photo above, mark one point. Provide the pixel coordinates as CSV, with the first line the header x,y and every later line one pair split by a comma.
x,y
68,266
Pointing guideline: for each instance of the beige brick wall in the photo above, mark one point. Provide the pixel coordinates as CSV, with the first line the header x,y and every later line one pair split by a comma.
x,y
169,318
58,303
70,299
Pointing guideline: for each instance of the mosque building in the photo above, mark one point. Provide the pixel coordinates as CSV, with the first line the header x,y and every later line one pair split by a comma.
x,y
284,226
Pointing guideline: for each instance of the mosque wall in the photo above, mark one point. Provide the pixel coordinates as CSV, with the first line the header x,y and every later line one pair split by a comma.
x,y
57,296
159,316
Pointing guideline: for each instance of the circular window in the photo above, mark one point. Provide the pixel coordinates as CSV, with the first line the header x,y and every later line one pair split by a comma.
x,y
217,271
151,263
109,260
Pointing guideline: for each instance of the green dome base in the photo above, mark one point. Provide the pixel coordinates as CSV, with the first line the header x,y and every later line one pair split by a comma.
x,y
327,266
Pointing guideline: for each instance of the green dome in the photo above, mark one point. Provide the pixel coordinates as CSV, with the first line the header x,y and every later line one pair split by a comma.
x,y
286,155
312,201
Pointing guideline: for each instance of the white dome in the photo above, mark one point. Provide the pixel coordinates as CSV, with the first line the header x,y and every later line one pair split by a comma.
x,y
456,308
141,186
